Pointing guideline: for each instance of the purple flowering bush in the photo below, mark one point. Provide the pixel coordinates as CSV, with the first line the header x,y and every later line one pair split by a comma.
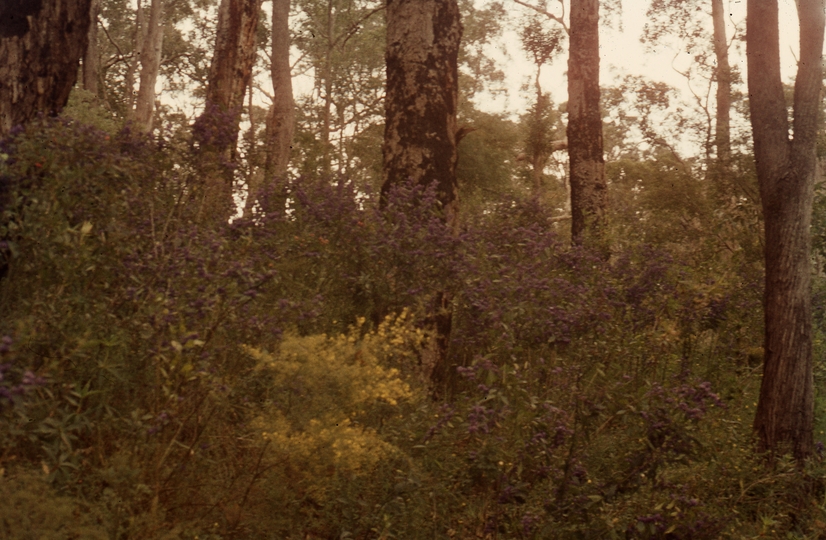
x,y
590,396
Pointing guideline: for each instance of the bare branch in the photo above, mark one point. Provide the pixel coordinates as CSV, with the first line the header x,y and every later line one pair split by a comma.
x,y
112,41
559,19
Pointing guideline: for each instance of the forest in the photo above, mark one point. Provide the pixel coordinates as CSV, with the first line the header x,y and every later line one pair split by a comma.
x,y
370,308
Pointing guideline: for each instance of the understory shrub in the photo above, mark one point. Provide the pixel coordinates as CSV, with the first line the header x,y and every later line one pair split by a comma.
x,y
167,375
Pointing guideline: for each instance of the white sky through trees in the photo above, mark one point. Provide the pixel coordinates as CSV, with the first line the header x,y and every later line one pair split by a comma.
x,y
622,54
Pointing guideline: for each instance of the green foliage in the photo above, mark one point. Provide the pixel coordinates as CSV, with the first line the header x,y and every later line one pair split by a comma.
x,y
167,376
33,510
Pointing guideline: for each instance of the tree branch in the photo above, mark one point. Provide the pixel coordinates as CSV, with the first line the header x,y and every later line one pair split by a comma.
x,y
559,19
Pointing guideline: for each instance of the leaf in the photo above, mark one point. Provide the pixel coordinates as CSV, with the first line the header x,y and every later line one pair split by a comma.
x,y
177,346
86,228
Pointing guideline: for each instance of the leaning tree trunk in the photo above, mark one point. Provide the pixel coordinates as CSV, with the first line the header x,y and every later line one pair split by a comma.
x,y
587,164
150,59
785,171
216,130
722,133
41,43
423,39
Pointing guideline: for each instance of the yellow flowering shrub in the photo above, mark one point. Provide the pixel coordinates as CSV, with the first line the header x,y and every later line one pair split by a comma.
x,y
330,394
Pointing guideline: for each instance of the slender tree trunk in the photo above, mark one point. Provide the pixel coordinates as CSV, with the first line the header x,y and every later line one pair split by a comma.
x,y
587,164
91,60
150,58
423,39
132,68
722,134
41,43
327,112
281,118
785,170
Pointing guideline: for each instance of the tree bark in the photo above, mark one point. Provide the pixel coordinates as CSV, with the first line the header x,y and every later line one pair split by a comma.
x,y
232,61
150,59
281,118
422,92
423,38
785,170
91,59
216,130
722,133
587,164
41,43
327,77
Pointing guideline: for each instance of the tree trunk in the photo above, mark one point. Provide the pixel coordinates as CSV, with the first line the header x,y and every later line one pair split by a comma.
x,y
423,39
281,116
420,107
41,43
232,62
281,119
150,58
91,60
587,164
129,78
216,130
327,75
785,170
722,134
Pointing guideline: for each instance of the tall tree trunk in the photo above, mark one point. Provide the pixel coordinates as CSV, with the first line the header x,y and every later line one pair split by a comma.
x,y
41,43
722,133
150,58
232,62
281,118
229,76
91,60
587,164
423,39
785,170
422,91
327,112
138,40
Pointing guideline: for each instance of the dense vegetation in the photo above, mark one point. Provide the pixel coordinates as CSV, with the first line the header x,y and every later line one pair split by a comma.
x,y
167,376
169,373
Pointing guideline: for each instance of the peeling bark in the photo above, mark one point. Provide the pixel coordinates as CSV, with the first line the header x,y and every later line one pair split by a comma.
x,y
422,92
233,59
229,76
423,39
785,171
41,44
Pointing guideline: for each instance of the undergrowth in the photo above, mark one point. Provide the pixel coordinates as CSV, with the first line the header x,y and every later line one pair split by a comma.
x,y
167,376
